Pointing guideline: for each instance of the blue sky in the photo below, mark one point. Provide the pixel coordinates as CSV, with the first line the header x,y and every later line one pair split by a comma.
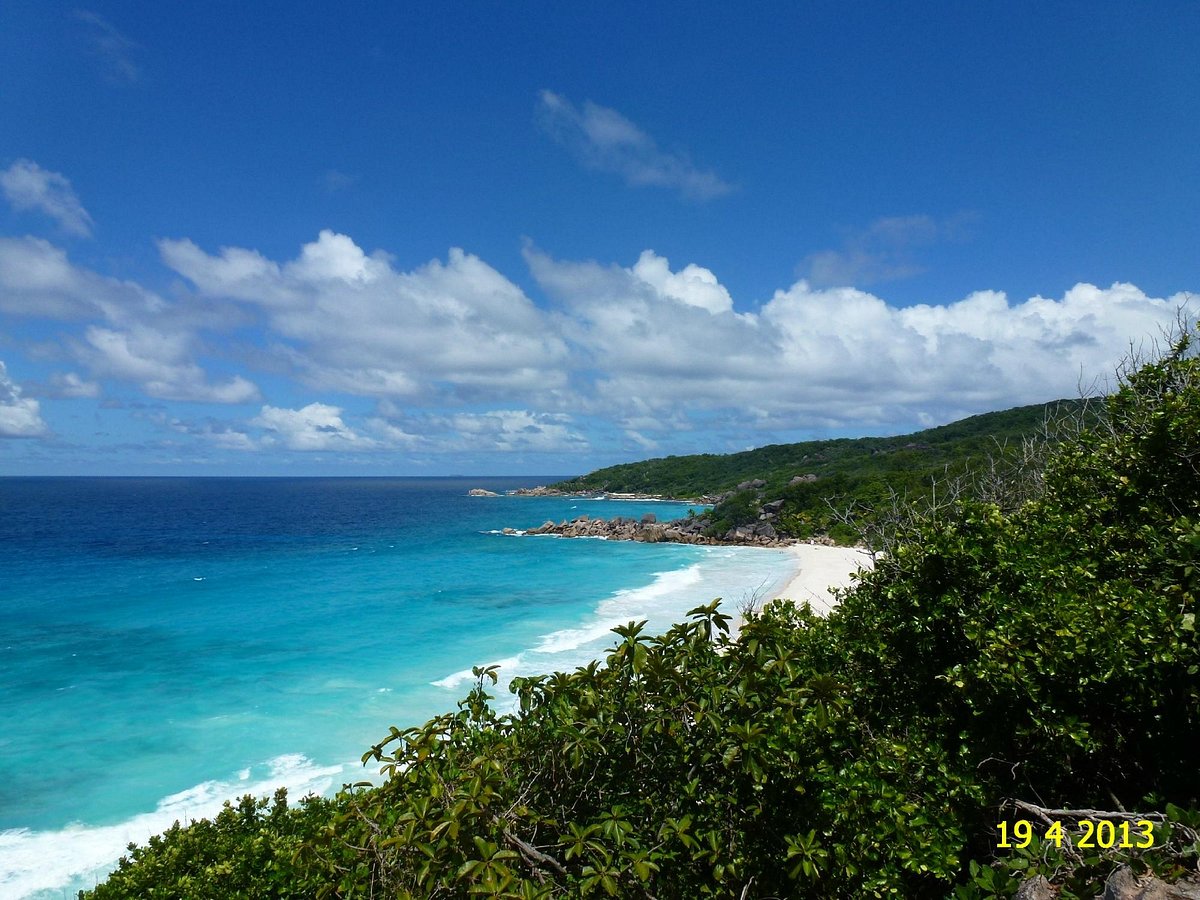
x,y
266,238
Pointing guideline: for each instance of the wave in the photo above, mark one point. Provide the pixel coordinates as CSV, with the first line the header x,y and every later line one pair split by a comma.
x,y
621,607
566,648
466,676
50,863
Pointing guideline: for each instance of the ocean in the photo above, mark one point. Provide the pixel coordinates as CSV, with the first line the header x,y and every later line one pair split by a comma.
x,y
170,643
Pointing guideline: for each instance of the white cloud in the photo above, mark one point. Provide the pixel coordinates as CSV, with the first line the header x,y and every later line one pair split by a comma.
x,y
160,362
694,285
602,138
219,434
134,334
317,426
826,358
28,186
459,360
233,272
37,279
352,323
19,416
508,430
654,339
70,384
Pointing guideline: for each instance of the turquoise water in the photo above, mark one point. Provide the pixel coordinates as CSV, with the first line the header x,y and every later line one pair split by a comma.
x,y
166,644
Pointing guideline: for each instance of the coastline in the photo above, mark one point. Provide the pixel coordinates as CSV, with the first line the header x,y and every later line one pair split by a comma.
x,y
820,570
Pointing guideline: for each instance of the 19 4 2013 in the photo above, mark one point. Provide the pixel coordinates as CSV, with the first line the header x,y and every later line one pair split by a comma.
x,y
1102,834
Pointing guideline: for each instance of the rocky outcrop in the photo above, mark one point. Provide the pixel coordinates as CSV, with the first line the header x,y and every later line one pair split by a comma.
x,y
481,492
680,531
540,491
543,491
1122,884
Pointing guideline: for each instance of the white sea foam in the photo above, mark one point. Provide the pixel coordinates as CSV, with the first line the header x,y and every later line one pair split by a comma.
x,y
620,608
49,863
465,676
569,647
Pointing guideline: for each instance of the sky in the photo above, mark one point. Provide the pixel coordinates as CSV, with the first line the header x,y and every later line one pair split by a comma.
x,y
495,238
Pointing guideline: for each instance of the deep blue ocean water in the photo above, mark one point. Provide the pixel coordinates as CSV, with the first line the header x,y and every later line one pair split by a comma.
x,y
169,643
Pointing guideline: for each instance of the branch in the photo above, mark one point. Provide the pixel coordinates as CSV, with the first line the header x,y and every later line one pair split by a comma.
x,y
1047,815
533,855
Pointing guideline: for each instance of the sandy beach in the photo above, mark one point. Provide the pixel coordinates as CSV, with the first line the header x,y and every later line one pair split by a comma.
x,y
820,569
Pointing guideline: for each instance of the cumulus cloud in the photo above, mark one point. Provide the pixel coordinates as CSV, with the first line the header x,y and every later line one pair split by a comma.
x,y
132,334
518,429
317,426
161,362
456,358
27,186
456,329
602,138
38,280
886,250
20,416
834,357
498,430
673,334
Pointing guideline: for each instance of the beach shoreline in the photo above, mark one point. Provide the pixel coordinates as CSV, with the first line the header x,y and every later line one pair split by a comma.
x,y
820,569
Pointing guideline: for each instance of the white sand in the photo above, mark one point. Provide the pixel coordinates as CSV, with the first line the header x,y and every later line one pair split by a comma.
x,y
822,569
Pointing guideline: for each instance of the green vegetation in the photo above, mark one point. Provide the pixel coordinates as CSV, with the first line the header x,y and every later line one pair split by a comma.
x,y
861,473
1039,646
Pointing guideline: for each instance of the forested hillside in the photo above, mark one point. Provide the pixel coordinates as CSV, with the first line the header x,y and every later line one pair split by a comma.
x,y
811,488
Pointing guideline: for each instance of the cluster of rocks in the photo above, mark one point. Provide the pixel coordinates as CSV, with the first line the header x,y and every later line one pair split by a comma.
x,y
650,531
543,491
540,491
760,533
1122,884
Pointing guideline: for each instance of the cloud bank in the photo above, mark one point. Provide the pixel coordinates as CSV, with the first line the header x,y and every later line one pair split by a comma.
x,y
454,357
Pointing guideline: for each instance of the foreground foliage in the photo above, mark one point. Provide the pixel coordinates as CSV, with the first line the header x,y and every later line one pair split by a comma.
x,y
1042,651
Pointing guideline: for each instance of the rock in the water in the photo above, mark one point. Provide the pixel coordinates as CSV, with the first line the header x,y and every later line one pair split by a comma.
x,y
649,518
480,492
